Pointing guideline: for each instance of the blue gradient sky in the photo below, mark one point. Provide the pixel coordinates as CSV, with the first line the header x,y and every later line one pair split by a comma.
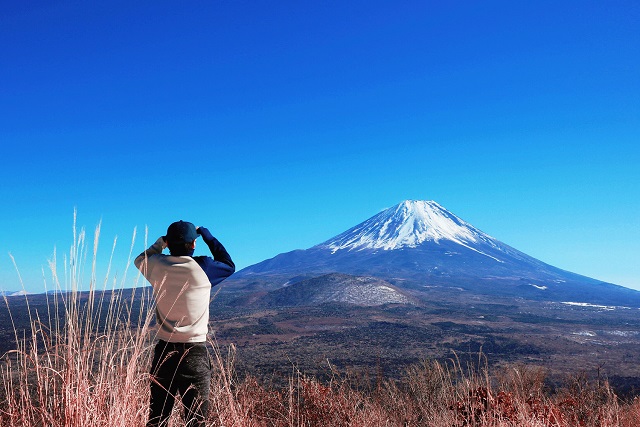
x,y
281,124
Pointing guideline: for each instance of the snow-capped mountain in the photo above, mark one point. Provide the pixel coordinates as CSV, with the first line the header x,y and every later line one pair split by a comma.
x,y
421,245
408,225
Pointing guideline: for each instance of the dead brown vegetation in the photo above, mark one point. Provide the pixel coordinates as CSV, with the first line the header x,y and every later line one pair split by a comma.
x,y
86,369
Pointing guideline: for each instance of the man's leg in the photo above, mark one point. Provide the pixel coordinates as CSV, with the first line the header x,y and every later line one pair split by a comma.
x,y
163,389
195,379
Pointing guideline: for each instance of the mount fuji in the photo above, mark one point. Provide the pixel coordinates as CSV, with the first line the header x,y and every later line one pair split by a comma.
x,y
420,246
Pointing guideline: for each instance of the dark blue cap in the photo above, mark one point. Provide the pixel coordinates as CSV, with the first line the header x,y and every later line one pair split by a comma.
x,y
181,232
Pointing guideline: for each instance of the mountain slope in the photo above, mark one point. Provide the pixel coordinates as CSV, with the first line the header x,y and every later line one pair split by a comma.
x,y
419,244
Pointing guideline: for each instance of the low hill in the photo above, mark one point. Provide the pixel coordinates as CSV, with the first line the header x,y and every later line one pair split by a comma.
x,y
336,288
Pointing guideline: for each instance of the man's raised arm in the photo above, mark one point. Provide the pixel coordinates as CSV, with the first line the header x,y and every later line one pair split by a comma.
x,y
222,266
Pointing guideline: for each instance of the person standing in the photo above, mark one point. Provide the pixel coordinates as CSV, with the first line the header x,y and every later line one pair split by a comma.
x,y
181,289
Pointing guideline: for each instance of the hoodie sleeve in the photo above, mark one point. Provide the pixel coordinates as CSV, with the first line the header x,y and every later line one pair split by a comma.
x,y
154,249
221,266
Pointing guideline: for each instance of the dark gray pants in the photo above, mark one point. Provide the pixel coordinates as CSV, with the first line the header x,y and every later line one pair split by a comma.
x,y
184,369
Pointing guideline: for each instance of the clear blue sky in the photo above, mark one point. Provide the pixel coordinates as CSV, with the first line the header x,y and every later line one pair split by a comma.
x,y
281,124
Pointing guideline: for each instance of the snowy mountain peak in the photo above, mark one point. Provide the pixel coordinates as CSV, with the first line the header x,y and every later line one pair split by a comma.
x,y
408,224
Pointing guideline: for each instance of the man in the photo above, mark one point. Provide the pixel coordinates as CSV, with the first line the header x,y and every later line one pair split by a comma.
x,y
181,289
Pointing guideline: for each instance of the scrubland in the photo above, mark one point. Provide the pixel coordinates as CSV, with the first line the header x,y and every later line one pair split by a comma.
x,y
91,370
85,363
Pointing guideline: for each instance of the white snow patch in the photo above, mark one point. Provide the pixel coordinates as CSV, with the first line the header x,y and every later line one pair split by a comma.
x,y
586,304
584,333
624,333
542,288
19,293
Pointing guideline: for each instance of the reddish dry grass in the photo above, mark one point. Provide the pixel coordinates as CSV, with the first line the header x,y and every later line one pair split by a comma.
x,y
74,373
80,379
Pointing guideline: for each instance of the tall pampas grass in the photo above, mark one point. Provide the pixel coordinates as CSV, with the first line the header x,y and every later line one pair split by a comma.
x,y
84,361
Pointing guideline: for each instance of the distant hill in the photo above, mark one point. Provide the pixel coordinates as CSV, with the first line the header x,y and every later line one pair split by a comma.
x,y
336,288
14,293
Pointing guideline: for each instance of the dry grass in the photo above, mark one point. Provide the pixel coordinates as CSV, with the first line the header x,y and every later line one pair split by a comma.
x,y
85,364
